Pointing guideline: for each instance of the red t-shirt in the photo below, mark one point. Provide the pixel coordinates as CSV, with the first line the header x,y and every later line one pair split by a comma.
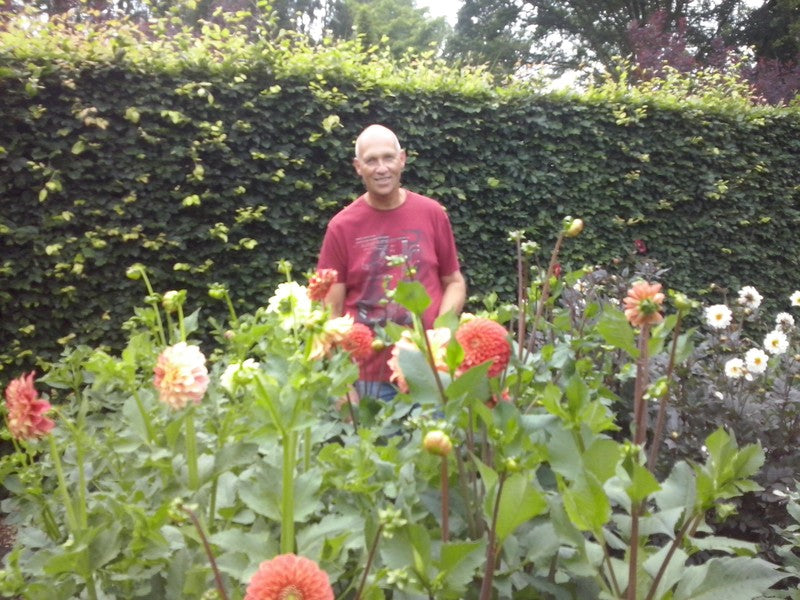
x,y
356,244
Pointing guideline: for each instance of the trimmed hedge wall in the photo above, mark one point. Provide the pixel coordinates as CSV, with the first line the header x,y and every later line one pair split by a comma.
x,y
209,159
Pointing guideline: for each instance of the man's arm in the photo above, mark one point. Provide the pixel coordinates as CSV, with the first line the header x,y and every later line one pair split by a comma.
x,y
454,293
335,299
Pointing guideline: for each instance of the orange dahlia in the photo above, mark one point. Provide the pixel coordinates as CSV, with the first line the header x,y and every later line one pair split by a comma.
x,y
643,304
180,375
289,577
26,409
358,342
320,282
484,340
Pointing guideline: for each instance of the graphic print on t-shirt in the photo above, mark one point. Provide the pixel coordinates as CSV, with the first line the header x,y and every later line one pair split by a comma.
x,y
371,306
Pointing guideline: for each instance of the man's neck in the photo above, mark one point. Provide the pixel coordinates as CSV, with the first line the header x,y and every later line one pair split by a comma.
x,y
389,202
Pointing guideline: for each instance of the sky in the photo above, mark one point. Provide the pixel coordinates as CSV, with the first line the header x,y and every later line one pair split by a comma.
x,y
442,8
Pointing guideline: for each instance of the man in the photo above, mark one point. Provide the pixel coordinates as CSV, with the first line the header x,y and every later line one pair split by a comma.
x,y
388,220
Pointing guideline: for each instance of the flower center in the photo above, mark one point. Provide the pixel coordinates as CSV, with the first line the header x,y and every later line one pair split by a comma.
x,y
290,593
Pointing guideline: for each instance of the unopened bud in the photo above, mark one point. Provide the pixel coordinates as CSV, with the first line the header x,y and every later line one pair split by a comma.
x,y
378,345
437,442
172,300
573,227
134,272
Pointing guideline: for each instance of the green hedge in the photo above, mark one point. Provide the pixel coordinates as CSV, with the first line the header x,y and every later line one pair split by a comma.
x,y
209,159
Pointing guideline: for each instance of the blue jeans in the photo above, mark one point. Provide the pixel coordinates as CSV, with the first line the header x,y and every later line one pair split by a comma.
x,y
382,390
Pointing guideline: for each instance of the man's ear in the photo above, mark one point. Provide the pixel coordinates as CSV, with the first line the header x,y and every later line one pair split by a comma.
x,y
357,166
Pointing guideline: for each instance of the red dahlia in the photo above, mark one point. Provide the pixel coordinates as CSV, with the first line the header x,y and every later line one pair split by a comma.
x,y
320,282
358,342
483,339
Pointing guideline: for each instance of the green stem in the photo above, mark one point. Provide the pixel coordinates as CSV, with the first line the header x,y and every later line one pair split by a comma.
x,y
445,502
181,324
151,292
191,450
83,519
72,522
231,311
287,503
307,450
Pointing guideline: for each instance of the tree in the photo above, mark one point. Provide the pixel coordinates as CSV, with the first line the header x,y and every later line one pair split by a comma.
x,y
396,23
656,48
568,34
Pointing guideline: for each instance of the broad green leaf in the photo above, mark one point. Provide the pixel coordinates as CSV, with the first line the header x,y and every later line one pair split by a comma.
x,y
519,502
459,562
729,578
672,574
601,458
412,295
586,503
643,483
617,332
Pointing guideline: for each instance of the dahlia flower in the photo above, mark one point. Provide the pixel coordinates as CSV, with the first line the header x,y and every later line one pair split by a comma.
x,y
749,297
776,342
234,373
26,410
358,342
756,361
291,303
289,577
784,321
484,340
320,282
333,331
734,368
438,339
181,375
795,298
718,316
643,304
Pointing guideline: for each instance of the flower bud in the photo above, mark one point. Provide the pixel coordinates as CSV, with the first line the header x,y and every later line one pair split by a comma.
x,y
172,300
135,271
510,465
573,227
217,291
437,442
378,345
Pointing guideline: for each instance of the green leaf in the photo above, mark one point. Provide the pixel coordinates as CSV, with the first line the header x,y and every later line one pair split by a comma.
x,y
519,503
643,483
616,331
586,503
412,295
729,578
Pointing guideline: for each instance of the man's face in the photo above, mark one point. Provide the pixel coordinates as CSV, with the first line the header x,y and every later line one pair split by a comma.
x,y
380,165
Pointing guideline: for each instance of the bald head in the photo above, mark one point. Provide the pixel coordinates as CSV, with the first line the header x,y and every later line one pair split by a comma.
x,y
379,133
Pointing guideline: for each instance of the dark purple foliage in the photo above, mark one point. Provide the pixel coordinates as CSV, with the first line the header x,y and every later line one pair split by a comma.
x,y
655,47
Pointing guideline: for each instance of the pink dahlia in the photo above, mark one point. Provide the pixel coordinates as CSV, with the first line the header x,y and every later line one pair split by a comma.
x,y
483,339
643,304
320,282
289,577
181,375
358,342
26,410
